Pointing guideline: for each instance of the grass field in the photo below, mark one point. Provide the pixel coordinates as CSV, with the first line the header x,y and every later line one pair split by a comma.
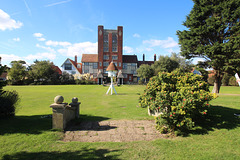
x,y
28,136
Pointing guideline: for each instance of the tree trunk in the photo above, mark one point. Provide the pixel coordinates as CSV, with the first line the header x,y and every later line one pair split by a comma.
x,y
217,83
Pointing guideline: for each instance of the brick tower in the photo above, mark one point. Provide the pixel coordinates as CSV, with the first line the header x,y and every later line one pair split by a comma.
x,y
110,45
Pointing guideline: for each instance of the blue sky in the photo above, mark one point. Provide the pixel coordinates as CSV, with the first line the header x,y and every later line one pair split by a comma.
x,y
58,29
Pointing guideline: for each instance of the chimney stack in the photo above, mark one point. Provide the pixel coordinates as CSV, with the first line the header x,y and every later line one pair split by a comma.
x,y
143,58
76,59
155,58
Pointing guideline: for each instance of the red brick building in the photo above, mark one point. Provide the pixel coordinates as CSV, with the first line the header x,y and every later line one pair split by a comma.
x,y
110,49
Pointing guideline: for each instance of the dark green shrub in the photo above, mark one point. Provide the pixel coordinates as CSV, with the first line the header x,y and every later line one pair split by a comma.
x,y
181,98
9,101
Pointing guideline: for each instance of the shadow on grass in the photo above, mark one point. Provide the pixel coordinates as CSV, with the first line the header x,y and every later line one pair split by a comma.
x,y
86,122
35,124
25,124
83,154
218,118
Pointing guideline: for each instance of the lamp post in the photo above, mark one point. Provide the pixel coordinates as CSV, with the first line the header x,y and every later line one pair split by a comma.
x,y
112,70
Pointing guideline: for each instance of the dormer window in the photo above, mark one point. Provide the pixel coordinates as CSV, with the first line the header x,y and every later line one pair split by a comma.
x,y
68,67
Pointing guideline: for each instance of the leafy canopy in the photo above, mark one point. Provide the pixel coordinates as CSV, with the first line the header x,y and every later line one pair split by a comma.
x,y
214,34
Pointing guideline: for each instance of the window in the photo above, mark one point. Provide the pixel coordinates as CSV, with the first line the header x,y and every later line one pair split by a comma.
x,y
86,70
95,65
78,66
67,67
105,63
73,72
100,64
130,78
105,49
119,64
86,64
105,42
114,57
106,57
124,65
114,42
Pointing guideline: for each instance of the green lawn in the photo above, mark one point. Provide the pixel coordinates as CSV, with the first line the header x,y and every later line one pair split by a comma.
x,y
28,136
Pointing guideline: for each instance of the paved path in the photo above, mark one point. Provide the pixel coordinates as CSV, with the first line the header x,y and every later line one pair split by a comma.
x,y
113,131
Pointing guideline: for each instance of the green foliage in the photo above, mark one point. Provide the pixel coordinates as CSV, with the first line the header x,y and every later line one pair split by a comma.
x,y
213,33
43,73
165,64
145,71
9,101
180,98
66,78
18,72
232,81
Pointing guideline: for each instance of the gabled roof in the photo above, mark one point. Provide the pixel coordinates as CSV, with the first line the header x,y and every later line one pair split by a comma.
x,y
74,64
130,59
89,58
56,68
111,67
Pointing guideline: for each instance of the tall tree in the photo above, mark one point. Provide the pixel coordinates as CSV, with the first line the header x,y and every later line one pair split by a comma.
x,y
42,71
214,34
18,72
145,71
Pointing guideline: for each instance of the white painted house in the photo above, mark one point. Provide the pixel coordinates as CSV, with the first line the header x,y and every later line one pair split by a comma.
x,y
72,67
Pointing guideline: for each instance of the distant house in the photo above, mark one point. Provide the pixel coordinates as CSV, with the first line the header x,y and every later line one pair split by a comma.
x,y
90,64
72,67
129,69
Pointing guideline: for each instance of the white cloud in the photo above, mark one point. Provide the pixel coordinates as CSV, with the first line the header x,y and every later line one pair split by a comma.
x,y
41,39
57,3
56,43
149,49
9,57
16,39
44,55
38,35
49,49
7,23
128,49
136,35
169,43
79,49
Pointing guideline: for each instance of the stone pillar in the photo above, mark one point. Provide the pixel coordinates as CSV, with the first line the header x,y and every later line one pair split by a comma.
x,y
58,117
75,105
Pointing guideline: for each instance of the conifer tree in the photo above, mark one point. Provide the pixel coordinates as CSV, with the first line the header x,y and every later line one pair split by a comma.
x,y
213,33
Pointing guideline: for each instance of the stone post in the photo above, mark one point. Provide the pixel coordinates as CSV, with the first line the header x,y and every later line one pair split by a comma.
x,y
75,105
58,117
